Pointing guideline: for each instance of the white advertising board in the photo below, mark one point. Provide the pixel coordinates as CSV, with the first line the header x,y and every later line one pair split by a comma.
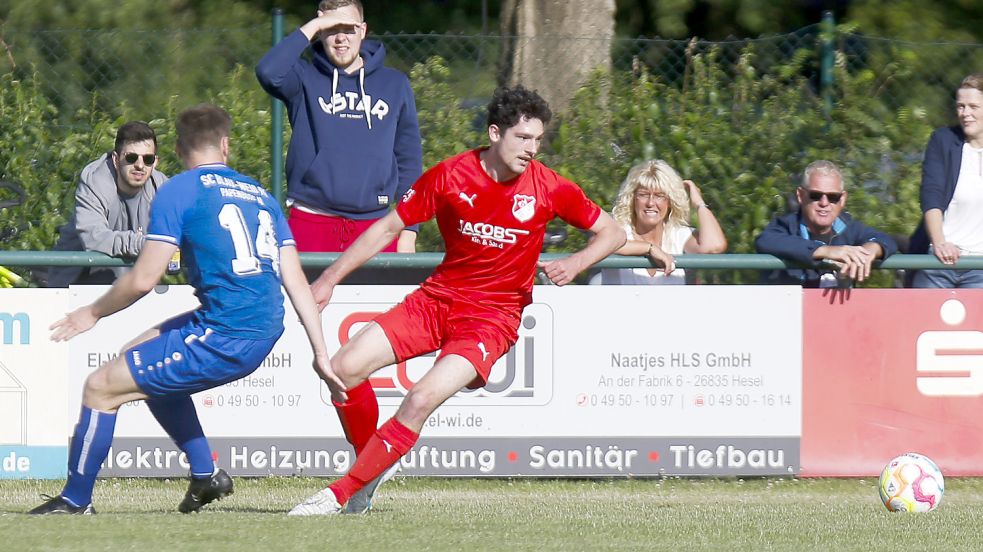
x,y
33,386
602,381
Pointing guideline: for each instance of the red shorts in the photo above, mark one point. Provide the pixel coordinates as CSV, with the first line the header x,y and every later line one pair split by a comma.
x,y
326,234
423,323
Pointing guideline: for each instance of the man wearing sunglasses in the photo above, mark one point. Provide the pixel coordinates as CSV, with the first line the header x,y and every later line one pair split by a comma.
x,y
112,206
821,233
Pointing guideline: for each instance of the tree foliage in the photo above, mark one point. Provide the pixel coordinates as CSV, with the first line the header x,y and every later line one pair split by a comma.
x,y
744,137
44,158
447,128
743,131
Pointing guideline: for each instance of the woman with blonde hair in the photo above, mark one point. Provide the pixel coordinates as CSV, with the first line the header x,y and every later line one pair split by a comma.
x,y
654,206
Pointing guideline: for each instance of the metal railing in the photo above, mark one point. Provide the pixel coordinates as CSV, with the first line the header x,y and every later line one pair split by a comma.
x,y
396,261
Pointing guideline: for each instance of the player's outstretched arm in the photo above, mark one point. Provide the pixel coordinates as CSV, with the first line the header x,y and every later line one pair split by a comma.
x,y
133,285
608,238
302,300
379,235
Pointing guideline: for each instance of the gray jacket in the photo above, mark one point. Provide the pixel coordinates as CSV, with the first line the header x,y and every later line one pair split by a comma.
x,y
104,220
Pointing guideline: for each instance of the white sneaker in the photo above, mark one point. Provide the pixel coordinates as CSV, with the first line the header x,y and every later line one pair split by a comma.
x,y
323,503
361,501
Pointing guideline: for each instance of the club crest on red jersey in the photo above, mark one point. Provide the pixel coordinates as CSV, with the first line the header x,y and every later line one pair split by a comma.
x,y
523,207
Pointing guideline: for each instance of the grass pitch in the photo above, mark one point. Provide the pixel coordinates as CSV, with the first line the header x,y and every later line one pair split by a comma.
x,y
509,515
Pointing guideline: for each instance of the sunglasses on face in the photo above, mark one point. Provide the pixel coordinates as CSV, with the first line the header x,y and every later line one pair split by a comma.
x,y
131,158
816,195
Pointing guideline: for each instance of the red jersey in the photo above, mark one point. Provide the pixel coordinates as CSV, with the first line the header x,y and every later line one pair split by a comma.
x,y
493,231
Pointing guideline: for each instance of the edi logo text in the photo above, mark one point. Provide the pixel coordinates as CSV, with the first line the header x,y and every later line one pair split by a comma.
x,y
523,376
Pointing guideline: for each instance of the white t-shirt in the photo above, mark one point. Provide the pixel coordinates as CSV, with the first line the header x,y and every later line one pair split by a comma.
x,y
672,243
962,222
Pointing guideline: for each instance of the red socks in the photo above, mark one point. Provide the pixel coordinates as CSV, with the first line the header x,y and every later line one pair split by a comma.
x,y
359,415
382,450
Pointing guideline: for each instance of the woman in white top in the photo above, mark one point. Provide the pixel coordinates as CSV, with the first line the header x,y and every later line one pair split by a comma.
x,y
952,193
654,206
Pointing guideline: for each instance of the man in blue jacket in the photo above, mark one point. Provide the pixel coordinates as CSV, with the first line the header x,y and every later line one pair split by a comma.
x,y
355,145
820,231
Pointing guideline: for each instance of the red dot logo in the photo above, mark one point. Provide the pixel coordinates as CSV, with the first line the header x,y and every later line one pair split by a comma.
x,y
653,456
513,456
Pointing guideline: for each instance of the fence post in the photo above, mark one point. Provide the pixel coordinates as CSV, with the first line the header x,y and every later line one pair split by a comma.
x,y
826,31
276,126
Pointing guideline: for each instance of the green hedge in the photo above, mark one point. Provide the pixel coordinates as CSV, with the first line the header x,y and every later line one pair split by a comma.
x,y
742,135
744,138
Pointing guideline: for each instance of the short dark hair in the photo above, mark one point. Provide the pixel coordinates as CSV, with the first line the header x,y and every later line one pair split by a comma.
x,y
509,105
328,5
202,126
134,131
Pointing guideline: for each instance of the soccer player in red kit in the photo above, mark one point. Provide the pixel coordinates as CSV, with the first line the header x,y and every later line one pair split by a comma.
x,y
492,206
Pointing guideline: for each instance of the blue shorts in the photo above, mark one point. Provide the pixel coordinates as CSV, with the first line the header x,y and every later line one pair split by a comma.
x,y
188,357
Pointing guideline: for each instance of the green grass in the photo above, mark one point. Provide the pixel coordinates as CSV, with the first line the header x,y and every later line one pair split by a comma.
x,y
512,515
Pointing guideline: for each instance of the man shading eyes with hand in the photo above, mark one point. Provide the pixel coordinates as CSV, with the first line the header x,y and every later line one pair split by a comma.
x,y
834,249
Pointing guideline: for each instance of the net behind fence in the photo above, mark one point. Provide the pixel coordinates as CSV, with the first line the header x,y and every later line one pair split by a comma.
x,y
107,69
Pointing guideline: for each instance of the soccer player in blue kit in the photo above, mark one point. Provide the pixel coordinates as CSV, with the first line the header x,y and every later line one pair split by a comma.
x,y
238,249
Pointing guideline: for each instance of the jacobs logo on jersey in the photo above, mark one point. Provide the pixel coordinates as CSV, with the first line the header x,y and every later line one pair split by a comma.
x,y
490,234
523,207
349,105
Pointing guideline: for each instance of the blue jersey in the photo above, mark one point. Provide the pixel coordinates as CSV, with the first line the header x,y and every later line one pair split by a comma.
x,y
230,231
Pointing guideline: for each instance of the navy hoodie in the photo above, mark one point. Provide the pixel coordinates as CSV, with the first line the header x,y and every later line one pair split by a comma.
x,y
355,145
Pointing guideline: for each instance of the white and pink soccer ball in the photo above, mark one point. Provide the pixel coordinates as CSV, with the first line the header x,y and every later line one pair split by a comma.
x,y
911,483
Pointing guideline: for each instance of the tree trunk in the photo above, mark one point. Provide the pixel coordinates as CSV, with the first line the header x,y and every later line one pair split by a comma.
x,y
553,45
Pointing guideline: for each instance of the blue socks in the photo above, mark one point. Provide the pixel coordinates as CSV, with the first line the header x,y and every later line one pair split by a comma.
x,y
179,419
90,444
94,436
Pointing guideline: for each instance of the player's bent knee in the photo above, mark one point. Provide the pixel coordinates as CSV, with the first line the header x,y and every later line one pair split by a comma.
x,y
419,404
344,365
109,386
95,389
354,364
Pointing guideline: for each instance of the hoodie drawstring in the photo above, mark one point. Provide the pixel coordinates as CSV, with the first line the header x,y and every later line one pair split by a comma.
x,y
361,90
334,84
365,100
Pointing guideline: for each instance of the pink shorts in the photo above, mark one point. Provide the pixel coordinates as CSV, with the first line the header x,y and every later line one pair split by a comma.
x,y
325,234
423,323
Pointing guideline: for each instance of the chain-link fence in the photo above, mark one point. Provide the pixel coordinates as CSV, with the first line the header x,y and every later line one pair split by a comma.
x,y
108,69
742,150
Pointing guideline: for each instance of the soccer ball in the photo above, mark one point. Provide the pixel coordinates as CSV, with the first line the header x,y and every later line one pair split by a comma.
x,y
911,483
